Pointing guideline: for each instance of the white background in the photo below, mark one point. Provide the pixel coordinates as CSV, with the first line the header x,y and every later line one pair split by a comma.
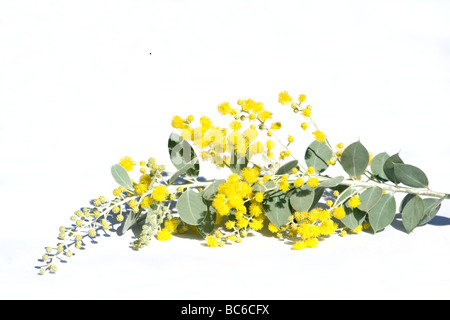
x,y
79,90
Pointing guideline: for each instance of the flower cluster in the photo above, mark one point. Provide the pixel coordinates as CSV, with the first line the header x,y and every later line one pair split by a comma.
x,y
267,188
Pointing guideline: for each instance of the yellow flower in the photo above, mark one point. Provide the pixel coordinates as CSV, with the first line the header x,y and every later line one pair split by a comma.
x,y
235,125
304,125
290,139
270,144
178,123
259,197
313,182
302,98
230,224
275,126
164,235
319,136
224,108
354,201
273,228
298,182
211,241
306,112
140,188
257,224
146,202
160,193
127,163
250,175
311,242
264,115
299,245
284,98
339,212
255,209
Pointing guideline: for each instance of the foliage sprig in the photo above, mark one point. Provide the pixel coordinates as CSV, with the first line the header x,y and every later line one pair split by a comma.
x,y
268,187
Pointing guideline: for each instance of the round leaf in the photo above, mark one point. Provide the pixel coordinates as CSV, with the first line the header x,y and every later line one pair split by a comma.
x,y
287,168
383,213
410,175
191,208
388,167
302,199
413,213
353,217
377,165
432,206
276,208
317,156
369,198
183,156
355,159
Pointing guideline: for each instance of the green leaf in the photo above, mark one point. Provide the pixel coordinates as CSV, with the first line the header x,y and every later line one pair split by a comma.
x,y
405,200
353,217
130,221
410,175
318,192
212,189
238,162
332,182
207,225
287,168
413,213
388,167
268,185
344,194
317,156
182,154
432,206
276,207
191,208
383,213
355,159
121,176
369,198
377,166
184,170
302,199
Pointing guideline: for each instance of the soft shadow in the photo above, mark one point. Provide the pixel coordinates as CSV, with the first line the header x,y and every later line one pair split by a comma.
x,y
436,221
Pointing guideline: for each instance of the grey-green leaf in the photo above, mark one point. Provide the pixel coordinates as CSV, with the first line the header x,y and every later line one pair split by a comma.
x,y
317,156
238,162
355,159
207,225
276,208
332,182
191,208
377,165
212,189
181,154
388,167
369,198
432,206
413,213
353,217
383,213
287,168
410,175
302,199
121,176
345,194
